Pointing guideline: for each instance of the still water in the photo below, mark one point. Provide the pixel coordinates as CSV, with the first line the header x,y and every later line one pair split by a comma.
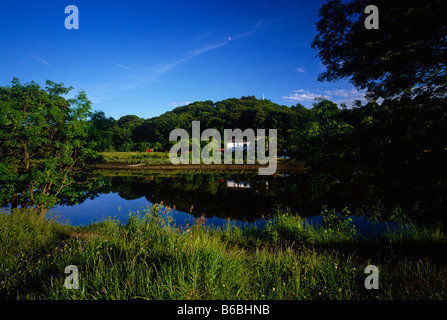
x,y
245,199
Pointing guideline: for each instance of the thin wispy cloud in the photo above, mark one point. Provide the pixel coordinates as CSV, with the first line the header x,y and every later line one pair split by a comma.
x,y
188,56
278,18
243,34
204,43
300,70
41,60
122,66
150,74
179,104
208,47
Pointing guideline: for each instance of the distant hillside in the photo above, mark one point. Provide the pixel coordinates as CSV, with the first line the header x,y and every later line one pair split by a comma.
x,y
131,133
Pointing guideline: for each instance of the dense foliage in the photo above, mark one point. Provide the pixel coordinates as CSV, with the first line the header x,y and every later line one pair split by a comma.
x,y
392,154
131,133
43,144
406,55
388,159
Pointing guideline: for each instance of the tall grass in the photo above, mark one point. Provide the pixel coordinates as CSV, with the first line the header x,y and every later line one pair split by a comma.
x,y
148,257
148,158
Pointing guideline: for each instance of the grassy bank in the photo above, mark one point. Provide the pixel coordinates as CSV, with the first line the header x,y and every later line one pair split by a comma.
x,y
147,158
150,258
162,159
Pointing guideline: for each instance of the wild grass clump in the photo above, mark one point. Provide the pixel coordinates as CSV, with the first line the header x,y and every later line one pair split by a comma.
x,y
148,158
149,257
287,229
27,242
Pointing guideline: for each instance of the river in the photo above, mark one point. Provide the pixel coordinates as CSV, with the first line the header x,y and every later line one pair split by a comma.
x,y
242,198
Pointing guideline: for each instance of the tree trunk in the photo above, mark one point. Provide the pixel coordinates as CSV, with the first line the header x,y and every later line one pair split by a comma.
x,y
40,211
14,201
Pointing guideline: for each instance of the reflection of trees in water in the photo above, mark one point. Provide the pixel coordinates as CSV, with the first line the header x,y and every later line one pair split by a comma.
x,y
392,192
217,193
86,186
206,193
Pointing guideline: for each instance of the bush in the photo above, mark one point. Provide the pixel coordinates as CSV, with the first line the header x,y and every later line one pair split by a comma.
x,y
285,227
338,222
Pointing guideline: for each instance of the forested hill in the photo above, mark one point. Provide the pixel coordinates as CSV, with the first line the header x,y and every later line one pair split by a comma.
x,y
392,155
132,133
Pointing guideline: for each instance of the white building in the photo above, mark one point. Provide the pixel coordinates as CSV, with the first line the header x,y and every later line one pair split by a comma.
x,y
239,185
238,144
241,144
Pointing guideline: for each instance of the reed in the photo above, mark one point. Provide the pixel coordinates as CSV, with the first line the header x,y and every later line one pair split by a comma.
x,y
148,257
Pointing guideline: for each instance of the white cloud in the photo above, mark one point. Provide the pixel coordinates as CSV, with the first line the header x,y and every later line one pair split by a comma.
x,y
179,104
338,96
346,93
41,60
347,96
122,66
301,95
300,70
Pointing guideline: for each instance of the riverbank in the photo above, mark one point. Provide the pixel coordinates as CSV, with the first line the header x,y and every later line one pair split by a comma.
x,y
150,258
160,161
199,167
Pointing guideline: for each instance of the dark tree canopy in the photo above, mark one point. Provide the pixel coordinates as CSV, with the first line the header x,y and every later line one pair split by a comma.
x,y
407,55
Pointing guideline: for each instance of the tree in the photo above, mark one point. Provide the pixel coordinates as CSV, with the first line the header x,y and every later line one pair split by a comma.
x,y
101,131
247,112
407,55
43,144
317,135
129,121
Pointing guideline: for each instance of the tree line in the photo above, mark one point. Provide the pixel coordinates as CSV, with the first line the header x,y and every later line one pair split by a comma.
x,y
393,154
132,133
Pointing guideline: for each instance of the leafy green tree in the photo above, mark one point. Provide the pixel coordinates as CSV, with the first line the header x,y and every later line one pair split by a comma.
x,y
43,143
247,112
101,131
129,121
319,134
407,55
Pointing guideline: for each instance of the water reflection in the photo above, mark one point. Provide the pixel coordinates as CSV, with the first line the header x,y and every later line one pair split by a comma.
x,y
219,196
243,197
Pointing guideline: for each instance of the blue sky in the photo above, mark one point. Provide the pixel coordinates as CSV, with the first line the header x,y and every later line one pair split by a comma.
x,y
148,57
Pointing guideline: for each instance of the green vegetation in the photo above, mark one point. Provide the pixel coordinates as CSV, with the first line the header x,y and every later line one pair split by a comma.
x,y
43,145
131,133
148,158
162,158
384,161
404,57
149,258
392,154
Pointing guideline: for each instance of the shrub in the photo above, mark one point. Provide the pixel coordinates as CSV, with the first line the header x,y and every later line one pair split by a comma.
x,y
338,222
285,227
